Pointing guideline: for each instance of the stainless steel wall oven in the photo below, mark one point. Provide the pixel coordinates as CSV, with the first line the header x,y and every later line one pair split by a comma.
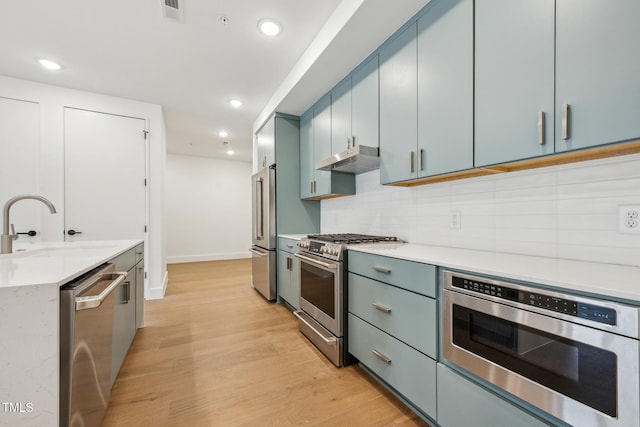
x,y
576,358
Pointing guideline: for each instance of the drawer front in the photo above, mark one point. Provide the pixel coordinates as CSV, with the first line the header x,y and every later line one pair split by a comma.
x,y
125,261
139,252
288,245
414,276
407,316
408,371
481,407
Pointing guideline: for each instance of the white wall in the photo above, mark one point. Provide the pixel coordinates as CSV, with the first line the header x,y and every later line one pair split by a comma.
x,y
567,211
208,209
51,101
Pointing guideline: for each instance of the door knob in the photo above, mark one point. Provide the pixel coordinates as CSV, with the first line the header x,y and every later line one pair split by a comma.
x,y
73,232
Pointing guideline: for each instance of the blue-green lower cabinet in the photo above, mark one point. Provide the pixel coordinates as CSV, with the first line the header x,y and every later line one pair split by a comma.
x,y
409,372
463,403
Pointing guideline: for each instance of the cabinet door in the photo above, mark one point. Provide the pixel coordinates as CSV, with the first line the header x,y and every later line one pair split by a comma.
x,y
266,144
322,144
398,107
364,104
481,407
124,322
597,71
289,278
445,88
514,79
341,116
139,303
306,155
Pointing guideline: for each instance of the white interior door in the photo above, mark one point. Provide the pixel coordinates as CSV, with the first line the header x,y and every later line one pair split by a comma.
x,y
19,160
104,176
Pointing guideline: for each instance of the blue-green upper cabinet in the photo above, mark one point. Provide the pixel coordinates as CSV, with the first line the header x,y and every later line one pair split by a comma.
x,y
341,117
597,72
445,87
514,79
322,143
266,145
398,107
364,104
307,164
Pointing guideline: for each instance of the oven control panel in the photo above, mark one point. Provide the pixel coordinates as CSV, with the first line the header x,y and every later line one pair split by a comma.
x,y
324,249
547,302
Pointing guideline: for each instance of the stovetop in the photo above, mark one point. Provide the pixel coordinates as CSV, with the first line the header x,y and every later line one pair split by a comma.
x,y
333,246
351,238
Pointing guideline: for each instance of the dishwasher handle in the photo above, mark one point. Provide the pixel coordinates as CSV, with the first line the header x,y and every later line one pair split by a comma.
x,y
94,301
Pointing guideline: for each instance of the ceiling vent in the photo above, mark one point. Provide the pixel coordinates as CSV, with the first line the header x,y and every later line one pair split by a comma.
x,y
172,9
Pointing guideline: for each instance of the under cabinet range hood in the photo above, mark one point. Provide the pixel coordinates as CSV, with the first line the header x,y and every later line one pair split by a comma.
x,y
354,160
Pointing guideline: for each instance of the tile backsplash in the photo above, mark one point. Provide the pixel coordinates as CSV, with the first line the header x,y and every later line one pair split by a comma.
x,y
567,211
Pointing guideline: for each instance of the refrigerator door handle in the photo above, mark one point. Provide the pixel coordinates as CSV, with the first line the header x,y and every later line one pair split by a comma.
x,y
257,252
259,225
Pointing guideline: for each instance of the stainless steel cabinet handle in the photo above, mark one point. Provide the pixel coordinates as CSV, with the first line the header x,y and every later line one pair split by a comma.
x,y
541,126
381,269
289,263
421,159
411,161
381,356
316,262
565,121
94,301
126,292
381,307
330,341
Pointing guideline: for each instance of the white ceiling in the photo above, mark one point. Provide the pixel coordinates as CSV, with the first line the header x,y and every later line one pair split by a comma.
x,y
192,68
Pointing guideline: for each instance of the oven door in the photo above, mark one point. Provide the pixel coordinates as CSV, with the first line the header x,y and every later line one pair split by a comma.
x,y
321,291
581,375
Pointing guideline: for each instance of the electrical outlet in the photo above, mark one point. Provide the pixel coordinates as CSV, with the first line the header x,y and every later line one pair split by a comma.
x,y
629,219
454,220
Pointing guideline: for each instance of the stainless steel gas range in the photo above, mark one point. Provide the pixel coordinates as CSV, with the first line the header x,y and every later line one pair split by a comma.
x,y
324,291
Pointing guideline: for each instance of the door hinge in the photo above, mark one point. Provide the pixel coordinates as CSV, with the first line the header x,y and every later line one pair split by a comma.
x,y
145,133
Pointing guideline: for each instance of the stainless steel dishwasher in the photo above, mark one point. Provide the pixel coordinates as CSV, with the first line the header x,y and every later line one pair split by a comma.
x,y
86,329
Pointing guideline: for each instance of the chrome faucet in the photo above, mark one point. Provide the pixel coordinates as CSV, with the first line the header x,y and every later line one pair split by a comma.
x,y
7,239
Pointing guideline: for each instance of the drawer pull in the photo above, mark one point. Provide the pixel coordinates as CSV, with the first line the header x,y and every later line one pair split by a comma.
x,y
381,307
381,356
381,269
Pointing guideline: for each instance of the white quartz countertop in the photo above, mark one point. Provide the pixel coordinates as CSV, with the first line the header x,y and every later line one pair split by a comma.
x,y
617,281
56,262
294,236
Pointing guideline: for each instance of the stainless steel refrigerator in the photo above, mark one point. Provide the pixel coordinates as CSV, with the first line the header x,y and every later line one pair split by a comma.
x,y
264,232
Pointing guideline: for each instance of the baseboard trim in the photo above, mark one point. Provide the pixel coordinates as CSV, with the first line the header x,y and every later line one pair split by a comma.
x,y
158,293
210,257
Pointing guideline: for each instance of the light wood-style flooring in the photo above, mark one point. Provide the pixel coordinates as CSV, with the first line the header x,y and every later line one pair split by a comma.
x,y
215,353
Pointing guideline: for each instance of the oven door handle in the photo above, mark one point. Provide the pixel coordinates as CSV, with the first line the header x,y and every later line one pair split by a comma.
x,y
329,341
316,262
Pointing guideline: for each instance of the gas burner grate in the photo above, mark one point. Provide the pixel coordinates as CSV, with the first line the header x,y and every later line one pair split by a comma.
x,y
351,238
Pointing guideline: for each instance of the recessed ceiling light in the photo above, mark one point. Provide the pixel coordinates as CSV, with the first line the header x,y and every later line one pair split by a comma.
x,y
230,152
223,133
270,27
236,103
49,64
